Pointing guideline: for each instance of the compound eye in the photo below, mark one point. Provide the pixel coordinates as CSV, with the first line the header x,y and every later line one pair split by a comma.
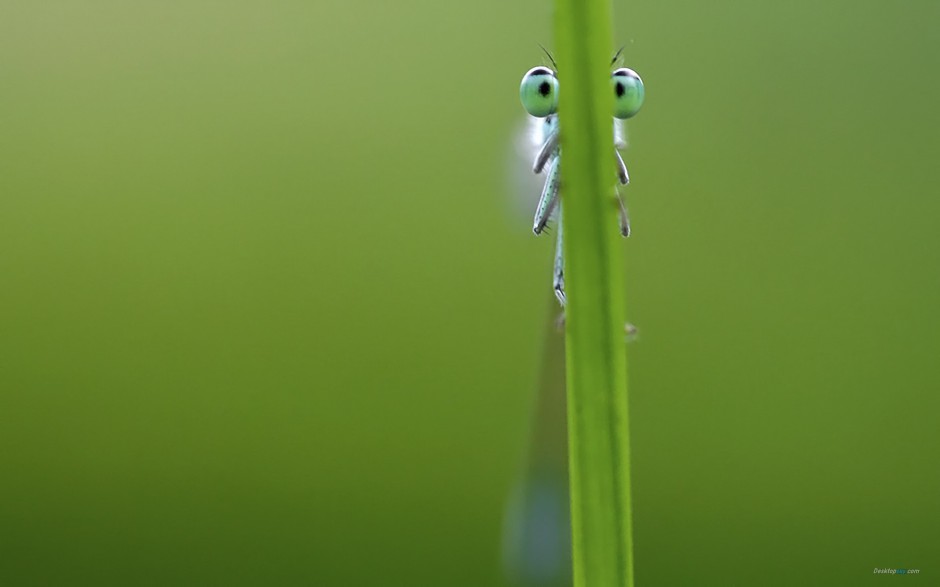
x,y
628,92
539,92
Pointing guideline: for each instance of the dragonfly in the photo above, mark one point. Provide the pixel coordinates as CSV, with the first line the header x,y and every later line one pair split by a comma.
x,y
539,95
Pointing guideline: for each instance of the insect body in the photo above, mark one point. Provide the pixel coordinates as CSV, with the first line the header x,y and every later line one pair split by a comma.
x,y
539,95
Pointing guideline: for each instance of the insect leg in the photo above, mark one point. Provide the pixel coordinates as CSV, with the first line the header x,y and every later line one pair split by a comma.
x,y
621,169
546,151
559,278
549,199
624,217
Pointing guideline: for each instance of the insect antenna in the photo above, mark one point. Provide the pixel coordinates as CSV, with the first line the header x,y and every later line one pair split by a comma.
x,y
550,58
617,56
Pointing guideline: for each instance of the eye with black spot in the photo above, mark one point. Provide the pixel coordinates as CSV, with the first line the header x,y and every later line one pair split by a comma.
x,y
628,92
539,92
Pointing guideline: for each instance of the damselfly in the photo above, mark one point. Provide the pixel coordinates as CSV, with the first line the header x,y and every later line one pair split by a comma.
x,y
537,544
539,95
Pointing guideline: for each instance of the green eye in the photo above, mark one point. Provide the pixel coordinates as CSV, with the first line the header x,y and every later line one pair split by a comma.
x,y
628,92
539,92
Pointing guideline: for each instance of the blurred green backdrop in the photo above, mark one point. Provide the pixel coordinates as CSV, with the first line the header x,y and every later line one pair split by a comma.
x,y
267,316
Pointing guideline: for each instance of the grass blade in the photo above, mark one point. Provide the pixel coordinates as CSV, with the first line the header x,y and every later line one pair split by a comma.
x,y
598,435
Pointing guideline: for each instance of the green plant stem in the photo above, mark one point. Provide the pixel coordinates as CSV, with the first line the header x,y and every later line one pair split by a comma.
x,y
598,434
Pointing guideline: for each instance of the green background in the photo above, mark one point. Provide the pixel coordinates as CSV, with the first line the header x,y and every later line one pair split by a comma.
x,y
269,313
